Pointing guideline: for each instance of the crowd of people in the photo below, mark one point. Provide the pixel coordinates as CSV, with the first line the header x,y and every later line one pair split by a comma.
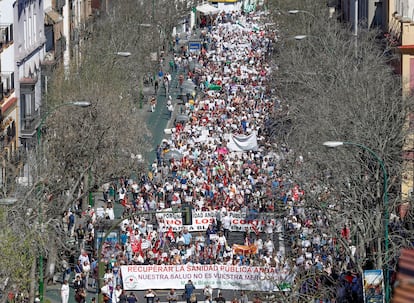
x,y
211,173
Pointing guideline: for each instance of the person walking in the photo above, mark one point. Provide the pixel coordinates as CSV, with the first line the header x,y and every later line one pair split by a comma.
x,y
153,104
188,290
170,108
64,292
220,298
156,86
166,83
132,298
150,296
208,294
80,295
243,297
172,296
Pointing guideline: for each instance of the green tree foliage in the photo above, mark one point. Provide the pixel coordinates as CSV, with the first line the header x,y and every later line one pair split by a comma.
x,y
18,247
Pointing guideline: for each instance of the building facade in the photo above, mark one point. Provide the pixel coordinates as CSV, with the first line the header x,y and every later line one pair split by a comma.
x,y
400,20
55,39
29,52
8,92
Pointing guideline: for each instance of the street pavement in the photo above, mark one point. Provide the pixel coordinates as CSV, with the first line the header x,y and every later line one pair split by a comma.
x,y
156,122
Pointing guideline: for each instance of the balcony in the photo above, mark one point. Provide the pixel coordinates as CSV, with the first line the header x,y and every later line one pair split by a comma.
x,y
7,84
29,124
6,35
18,156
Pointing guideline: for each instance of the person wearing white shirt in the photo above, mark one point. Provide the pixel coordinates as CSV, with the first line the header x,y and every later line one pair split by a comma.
x,y
116,294
109,277
208,293
259,244
222,241
226,221
121,193
105,290
269,228
64,292
83,257
269,246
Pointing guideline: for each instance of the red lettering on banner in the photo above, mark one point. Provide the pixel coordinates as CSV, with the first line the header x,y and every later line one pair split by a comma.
x,y
204,221
173,222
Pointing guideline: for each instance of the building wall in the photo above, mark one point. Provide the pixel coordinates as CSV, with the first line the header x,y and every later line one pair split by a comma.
x,y
8,100
401,30
369,13
29,53
76,14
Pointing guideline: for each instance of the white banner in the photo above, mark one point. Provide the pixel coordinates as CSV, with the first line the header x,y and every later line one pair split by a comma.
x,y
242,143
201,220
140,277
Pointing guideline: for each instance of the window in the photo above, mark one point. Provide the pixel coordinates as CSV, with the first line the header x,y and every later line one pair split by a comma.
x,y
35,29
25,34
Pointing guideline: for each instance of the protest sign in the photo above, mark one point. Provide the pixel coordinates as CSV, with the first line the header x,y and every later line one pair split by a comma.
x,y
140,277
202,219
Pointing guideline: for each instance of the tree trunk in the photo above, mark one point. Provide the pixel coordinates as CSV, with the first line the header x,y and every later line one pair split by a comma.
x,y
50,265
32,280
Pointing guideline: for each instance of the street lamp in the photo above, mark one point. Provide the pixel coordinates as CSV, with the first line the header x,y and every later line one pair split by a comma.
x,y
39,135
7,201
123,54
385,201
298,11
300,37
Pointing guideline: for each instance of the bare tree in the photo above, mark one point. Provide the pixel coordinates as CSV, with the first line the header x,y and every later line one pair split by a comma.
x,y
335,86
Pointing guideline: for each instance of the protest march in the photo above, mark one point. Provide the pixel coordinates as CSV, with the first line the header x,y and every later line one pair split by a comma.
x,y
221,163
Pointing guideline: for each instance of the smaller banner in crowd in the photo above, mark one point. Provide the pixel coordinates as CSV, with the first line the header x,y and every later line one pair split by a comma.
x,y
140,277
244,249
202,219
373,286
242,143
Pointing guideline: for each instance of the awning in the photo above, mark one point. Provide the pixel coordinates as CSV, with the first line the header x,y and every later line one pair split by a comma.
x,y
52,17
207,9
8,104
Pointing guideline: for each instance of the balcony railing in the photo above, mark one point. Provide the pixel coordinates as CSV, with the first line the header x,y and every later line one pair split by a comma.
x,y
6,34
29,124
7,84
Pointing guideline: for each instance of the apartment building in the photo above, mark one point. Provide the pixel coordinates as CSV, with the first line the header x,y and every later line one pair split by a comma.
x,y
401,32
8,96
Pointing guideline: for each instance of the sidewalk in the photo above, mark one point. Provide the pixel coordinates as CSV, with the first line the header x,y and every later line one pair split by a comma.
x,y
159,120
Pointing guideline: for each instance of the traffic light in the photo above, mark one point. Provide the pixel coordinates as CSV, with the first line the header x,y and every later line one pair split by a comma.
x,y
186,214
